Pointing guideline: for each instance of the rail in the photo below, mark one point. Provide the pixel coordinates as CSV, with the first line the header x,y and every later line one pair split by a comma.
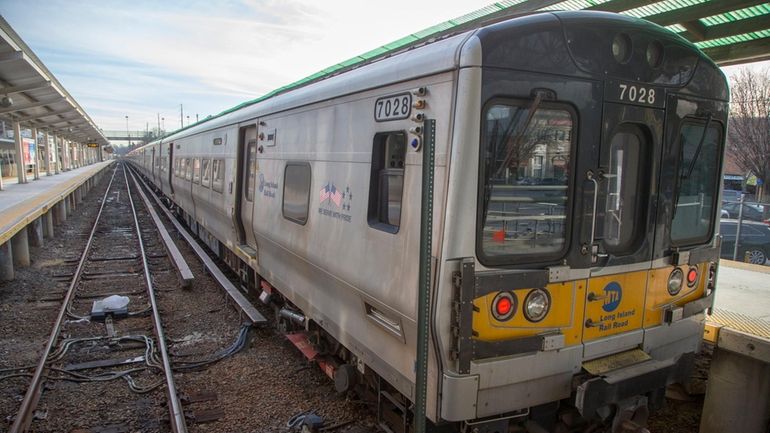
x,y
175,406
23,420
246,307
28,404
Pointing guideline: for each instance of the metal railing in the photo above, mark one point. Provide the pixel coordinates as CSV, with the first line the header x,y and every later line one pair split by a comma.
x,y
750,243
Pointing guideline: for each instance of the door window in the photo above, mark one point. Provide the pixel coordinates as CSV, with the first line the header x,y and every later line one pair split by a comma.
x,y
386,183
695,198
206,172
197,170
251,169
622,215
217,174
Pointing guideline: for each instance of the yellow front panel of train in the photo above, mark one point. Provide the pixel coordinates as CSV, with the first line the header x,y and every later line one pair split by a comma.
x,y
564,315
614,304
659,299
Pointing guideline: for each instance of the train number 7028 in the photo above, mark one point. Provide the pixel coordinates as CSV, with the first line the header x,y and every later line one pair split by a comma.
x,y
637,94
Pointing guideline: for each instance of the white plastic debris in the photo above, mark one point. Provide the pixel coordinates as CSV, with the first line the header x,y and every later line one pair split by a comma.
x,y
114,302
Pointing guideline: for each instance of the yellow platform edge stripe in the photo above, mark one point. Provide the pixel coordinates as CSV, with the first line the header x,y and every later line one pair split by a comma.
x,y
727,319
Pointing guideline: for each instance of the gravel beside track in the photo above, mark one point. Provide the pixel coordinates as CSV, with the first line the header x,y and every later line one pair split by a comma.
x,y
256,389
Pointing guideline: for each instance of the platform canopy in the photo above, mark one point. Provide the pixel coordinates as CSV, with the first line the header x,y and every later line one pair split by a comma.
x,y
729,31
31,95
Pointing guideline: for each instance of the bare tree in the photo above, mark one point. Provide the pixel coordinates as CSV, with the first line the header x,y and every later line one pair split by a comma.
x,y
749,129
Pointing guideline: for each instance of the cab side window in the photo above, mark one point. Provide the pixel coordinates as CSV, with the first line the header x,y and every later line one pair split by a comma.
x,y
386,183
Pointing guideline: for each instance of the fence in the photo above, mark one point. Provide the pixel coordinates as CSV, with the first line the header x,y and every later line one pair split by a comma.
x,y
745,230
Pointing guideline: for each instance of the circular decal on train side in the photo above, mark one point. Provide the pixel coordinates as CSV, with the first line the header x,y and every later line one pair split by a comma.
x,y
613,293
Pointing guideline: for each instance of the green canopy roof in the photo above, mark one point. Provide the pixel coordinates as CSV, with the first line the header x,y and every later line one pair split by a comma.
x,y
728,31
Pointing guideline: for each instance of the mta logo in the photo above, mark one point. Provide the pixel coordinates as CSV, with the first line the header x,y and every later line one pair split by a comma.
x,y
612,296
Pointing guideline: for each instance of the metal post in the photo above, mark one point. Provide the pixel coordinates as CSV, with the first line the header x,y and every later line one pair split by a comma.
x,y
738,229
20,167
35,165
65,157
48,148
423,295
55,154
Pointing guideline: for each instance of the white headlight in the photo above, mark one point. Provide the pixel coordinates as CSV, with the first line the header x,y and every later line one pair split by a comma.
x,y
675,281
536,305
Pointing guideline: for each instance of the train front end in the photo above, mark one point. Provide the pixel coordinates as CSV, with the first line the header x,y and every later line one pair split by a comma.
x,y
581,293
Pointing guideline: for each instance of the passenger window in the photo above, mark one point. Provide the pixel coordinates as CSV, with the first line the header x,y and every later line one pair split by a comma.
x,y
197,170
623,189
218,174
206,172
296,192
251,170
526,157
188,169
182,167
386,182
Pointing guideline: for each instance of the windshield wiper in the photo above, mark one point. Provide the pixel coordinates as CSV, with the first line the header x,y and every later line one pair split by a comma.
x,y
686,175
700,146
510,150
517,141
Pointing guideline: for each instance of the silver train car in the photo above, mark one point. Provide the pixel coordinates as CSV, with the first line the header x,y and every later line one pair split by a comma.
x,y
576,201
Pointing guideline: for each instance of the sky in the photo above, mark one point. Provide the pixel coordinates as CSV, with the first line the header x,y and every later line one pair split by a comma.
x,y
142,59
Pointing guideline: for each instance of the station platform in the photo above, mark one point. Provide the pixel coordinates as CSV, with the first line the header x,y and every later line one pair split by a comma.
x,y
28,211
738,394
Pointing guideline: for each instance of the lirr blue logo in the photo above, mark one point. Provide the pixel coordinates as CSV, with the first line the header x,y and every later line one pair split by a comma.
x,y
612,296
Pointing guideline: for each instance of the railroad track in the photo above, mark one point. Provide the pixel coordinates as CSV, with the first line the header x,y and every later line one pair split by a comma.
x,y
109,326
91,382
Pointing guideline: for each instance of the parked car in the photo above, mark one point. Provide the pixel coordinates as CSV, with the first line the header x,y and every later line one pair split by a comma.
x,y
754,243
729,195
752,212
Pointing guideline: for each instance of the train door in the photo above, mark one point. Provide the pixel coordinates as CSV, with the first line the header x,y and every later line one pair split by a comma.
x,y
153,166
690,178
624,215
171,168
246,188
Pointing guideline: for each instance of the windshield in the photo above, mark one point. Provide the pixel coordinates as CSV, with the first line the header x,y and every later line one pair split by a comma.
x,y
697,192
526,171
